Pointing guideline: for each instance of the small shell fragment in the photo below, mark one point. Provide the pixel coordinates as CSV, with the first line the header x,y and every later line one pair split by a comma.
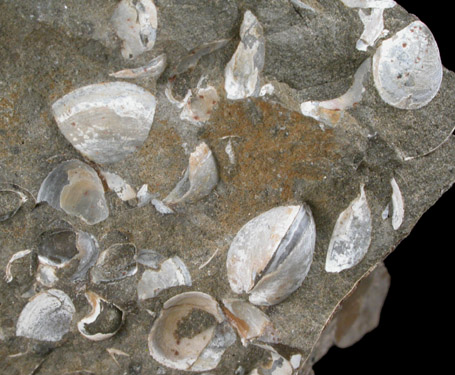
x,y
135,22
199,107
47,317
273,364
12,198
14,257
46,275
88,249
172,272
150,258
351,236
271,254
381,4
397,205
249,321
151,70
407,68
106,122
104,320
190,334
123,190
199,180
373,24
242,71
115,263
75,188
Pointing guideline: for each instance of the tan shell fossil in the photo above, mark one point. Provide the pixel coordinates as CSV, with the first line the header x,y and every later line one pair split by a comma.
x,y
106,122
271,254
75,188
407,68
190,334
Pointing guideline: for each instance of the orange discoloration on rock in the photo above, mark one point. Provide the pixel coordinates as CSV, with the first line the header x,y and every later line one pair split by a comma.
x,y
240,325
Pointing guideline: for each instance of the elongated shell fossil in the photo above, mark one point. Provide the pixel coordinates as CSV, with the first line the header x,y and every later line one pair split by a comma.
x,y
407,68
75,188
271,254
190,334
105,122
47,317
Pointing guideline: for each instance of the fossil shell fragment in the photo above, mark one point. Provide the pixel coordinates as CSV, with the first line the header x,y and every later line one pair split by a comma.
x,y
57,247
373,24
14,257
382,4
172,272
198,108
104,320
75,188
407,68
106,122
190,334
150,258
123,190
115,263
249,321
47,317
88,249
351,236
135,22
46,275
12,198
242,71
271,254
274,364
199,180
153,69
397,205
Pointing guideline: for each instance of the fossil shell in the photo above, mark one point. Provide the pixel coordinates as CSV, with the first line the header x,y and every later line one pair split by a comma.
x,y
57,247
249,321
12,198
198,108
407,68
242,71
190,334
115,263
14,257
153,69
123,190
88,249
271,254
351,236
75,188
199,180
273,364
47,317
135,22
46,275
373,24
106,122
150,258
382,4
104,320
397,205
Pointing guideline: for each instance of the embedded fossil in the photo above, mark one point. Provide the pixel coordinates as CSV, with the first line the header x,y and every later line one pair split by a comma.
x,y
153,69
123,190
397,205
115,263
198,109
12,198
373,28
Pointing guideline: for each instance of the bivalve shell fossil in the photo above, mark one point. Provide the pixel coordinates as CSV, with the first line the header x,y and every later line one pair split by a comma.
x,y
271,254
106,122
407,68
115,263
190,334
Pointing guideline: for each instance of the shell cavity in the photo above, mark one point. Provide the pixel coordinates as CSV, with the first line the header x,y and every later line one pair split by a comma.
x,y
271,254
351,236
407,68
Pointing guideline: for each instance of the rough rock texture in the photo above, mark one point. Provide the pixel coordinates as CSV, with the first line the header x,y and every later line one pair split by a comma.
x,y
50,47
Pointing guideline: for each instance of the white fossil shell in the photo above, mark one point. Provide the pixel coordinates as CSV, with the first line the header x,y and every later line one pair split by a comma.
x,y
106,122
382,4
172,272
302,5
198,108
115,263
407,68
199,180
123,190
47,317
135,22
46,275
271,254
14,257
12,198
330,111
274,365
75,188
351,236
397,205
190,334
250,322
242,71
153,69
373,24
104,320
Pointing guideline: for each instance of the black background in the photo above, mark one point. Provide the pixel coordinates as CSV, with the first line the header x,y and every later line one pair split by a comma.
x,y
415,331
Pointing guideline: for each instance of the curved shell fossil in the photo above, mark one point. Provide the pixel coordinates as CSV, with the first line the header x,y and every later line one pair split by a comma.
x,y
75,188
407,68
104,320
271,254
115,263
106,122
153,69
12,198
57,247
190,334
47,317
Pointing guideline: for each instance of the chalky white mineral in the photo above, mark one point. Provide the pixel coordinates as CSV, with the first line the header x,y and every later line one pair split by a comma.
x,y
407,68
242,71
271,254
351,236
135,22
106,122
397,205
47,317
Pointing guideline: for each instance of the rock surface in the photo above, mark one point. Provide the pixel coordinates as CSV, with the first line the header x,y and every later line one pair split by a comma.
x,y
49,48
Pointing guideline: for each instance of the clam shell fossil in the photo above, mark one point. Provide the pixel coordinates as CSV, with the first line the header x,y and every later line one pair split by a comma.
x,y
75,188
115,263
190,334
271,254
351,236
273,364
106,122
407,68
57,247
152,70
104,320
47,317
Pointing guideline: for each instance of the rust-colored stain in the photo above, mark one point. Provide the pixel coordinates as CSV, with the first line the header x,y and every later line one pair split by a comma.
x,y
241,326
